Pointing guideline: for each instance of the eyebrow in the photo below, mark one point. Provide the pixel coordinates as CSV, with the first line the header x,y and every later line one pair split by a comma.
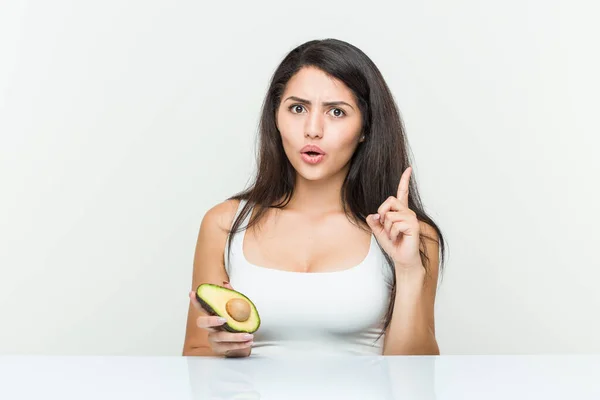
x,y
326,103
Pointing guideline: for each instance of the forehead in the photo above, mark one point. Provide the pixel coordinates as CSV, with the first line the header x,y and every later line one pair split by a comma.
x,y
311,82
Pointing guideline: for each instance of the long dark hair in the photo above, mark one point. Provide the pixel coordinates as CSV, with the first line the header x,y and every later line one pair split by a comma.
x,y
377,164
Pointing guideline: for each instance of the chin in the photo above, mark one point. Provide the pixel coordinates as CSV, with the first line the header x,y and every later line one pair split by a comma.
x,y
311,173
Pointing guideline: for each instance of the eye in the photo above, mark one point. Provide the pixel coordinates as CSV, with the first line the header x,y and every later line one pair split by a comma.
x,y
341,112
294,107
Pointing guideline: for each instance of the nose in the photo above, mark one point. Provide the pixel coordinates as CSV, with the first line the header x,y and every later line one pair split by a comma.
x,y
314,126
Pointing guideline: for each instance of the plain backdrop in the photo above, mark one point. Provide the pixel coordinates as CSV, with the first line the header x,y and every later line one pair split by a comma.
x,y
123,122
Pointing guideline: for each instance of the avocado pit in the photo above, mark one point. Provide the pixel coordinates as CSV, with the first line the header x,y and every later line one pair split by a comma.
x,y
239,309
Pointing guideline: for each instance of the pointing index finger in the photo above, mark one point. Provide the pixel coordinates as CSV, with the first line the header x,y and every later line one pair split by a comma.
x,y
403,187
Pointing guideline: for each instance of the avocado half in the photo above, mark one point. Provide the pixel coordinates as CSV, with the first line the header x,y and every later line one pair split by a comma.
x,y
240,312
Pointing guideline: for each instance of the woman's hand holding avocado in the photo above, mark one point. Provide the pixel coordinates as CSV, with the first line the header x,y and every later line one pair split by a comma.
x,y
222,342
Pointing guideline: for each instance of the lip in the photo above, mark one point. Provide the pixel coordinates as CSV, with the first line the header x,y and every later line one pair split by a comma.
x,y
312,147
313,160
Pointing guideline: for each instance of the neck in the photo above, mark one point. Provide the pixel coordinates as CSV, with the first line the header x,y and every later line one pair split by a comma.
x,y
318,197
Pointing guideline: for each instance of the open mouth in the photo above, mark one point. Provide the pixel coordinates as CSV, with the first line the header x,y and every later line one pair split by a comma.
x,y
312,157
312,154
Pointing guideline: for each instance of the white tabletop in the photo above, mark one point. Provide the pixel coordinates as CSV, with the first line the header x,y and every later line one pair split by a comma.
x,y
348,378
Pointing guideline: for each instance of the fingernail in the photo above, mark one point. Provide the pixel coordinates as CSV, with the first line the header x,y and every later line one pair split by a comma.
x,y
225,283
376,217
222,320
248,336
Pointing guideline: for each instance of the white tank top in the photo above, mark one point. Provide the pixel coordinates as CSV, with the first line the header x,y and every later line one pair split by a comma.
x,y
328,313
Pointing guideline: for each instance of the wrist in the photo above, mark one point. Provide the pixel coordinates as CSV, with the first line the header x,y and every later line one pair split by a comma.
x,y
410,273
409,284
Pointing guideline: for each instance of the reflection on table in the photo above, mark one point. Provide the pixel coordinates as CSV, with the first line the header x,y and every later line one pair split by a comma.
x,y
308,378
348,378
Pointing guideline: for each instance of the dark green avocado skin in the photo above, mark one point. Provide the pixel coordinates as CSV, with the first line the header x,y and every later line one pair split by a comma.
x,y
225,326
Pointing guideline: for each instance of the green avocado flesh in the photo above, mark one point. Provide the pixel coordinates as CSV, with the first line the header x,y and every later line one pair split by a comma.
x,y
240,312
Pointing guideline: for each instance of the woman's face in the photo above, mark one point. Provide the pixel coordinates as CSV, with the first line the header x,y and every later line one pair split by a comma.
x,y
304,117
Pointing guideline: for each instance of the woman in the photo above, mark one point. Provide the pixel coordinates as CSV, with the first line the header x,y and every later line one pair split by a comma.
x,y
331,241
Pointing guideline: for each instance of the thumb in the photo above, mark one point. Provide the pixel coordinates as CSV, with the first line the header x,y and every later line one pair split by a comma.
x,y
227,285
375,225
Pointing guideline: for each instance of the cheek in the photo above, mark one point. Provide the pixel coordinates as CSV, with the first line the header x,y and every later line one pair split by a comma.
x,y
344,138
289,138
347,145
289,128
288,125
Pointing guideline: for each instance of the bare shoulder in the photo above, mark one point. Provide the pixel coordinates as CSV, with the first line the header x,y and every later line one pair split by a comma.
x,y
220,216
210,246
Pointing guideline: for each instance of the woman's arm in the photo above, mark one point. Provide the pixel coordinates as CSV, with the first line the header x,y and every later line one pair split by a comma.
x,y
208,267
412,328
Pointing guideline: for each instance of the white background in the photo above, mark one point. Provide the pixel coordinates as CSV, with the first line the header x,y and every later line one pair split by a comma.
x,y
122,122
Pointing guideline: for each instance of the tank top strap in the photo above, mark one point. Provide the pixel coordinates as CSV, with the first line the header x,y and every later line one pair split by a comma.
x,y
237,241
